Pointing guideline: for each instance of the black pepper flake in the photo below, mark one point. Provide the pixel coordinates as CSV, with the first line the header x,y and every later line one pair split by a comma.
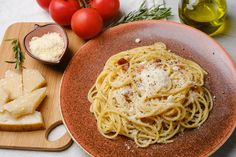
x,y
213,53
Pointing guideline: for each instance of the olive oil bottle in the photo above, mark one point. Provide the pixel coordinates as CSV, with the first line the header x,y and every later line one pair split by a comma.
x,y
206,15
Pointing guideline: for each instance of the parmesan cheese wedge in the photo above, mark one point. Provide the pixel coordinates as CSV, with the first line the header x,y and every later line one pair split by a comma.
x,y
4,97
32,79
12,83
25,123
26,104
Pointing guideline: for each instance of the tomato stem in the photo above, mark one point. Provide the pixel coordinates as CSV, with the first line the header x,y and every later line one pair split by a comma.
x,y
83,3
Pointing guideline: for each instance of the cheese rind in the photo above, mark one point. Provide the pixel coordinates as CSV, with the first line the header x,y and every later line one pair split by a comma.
x,y
26,104
25,123
4,97
12,83
32,79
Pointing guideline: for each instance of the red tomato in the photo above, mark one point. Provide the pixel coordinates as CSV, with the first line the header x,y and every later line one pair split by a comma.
x,y
86,23
108,9
44,4
62,10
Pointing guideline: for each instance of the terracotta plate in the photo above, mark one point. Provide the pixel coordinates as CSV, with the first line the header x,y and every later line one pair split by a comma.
x,y
184,41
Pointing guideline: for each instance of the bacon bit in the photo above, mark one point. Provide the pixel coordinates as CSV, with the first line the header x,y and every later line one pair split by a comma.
x,y
140,68
126,95
194,88
181,66
147,120
125,67
122,61
157,60
165,97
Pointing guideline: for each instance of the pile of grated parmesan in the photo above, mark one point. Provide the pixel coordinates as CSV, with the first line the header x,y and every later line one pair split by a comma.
x,y
48,47
152,79
149,81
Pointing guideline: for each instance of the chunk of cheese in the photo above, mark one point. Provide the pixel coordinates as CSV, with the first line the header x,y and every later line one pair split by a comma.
x,y
32,79
4,97
26,104
25,123
12,84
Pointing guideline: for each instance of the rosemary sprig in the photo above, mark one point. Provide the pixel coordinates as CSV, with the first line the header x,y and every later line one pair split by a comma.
x,y
19,55
156,12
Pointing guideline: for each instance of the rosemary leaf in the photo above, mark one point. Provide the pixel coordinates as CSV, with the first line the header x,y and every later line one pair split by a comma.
x,y
10,62
156,12
18,54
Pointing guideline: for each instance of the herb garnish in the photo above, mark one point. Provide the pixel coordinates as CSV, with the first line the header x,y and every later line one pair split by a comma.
x,y
19,55
156,12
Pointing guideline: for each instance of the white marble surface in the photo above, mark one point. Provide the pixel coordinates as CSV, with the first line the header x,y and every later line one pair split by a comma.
x,y
12,11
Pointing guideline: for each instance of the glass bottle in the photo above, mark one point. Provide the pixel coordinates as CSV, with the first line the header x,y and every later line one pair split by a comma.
x,y
206,15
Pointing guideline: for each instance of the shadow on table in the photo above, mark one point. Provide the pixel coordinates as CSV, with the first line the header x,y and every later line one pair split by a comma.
x,y
228,148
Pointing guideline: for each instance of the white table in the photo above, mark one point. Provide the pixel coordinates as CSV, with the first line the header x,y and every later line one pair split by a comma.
x,y
12,11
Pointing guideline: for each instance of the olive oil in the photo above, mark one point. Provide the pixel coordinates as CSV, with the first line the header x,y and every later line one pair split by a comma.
x,y
206,15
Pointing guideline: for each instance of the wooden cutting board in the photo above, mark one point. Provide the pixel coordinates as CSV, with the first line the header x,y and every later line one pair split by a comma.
x,y
37,140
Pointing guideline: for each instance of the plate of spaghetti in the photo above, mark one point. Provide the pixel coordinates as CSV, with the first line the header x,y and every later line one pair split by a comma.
x,y
150,88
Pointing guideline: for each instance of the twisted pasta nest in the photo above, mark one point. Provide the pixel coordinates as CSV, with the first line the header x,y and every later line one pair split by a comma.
x,y
149,95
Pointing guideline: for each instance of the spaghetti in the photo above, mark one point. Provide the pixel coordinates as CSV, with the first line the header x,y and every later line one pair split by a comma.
x,y
149,94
